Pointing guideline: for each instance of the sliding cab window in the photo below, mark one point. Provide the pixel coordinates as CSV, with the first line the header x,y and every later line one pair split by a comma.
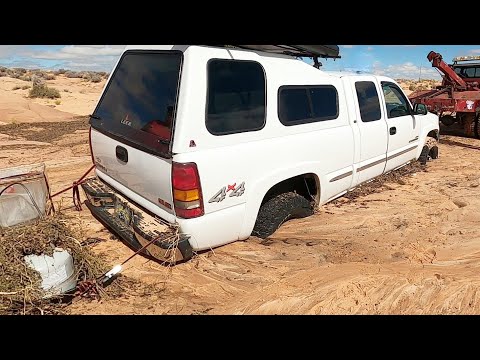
x,y
306,104
396,102
236,97
138,106
368,101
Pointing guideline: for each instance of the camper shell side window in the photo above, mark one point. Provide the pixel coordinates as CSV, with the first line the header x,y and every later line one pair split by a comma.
x,y
236,96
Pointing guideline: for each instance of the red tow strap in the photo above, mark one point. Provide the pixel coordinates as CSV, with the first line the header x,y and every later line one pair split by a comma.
x,y
76,192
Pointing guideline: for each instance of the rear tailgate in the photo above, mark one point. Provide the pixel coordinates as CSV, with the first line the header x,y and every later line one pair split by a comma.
x,y
132,127
146,175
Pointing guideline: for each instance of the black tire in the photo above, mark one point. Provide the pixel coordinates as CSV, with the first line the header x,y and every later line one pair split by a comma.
x,y
279,209
476,129
430,150
447,120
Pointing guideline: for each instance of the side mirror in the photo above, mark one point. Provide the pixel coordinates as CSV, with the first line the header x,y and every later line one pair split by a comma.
x,y
420,109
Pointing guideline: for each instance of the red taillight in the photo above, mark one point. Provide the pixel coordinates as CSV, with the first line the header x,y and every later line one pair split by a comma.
x,y
90,143
187,191
185,176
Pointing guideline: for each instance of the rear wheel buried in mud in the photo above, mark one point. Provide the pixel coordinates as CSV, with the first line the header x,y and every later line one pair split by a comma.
x,y
279,209
429,151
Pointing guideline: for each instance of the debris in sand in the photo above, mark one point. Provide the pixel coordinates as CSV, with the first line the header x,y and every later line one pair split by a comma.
x,y
20,285
380,183
57,271
23,194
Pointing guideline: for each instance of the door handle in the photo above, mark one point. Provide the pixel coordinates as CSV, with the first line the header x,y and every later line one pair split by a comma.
x,y
122,154
393,130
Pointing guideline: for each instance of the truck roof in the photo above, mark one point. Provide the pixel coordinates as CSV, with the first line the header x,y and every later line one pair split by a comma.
x,y
347,73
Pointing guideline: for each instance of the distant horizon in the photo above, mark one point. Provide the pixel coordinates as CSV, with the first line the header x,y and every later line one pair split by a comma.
x,y
107,72
396,61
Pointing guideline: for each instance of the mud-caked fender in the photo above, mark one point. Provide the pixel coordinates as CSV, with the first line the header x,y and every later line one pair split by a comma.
x,y
430,124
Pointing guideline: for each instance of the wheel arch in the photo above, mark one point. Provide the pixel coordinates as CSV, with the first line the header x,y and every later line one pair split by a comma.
x,y
283,181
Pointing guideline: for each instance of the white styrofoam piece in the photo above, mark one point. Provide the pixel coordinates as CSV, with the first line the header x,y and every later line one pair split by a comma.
x,y
57,271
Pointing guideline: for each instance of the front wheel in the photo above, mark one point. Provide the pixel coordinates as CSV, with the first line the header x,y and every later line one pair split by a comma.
x,y
429,151
279,209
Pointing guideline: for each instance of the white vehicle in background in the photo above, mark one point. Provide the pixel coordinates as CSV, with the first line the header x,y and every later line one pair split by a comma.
x,y
215,144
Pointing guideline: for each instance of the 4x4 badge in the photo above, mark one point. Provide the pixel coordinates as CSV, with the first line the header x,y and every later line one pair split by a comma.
x,y
222,193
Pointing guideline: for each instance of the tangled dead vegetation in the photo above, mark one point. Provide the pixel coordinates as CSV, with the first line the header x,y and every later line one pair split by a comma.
x,y
20,291
380,183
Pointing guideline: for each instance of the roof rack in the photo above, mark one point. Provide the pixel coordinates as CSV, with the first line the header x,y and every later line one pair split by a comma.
x,y
311,51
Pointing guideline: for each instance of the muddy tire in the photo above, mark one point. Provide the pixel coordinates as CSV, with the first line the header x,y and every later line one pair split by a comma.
x,y
429,151
279,209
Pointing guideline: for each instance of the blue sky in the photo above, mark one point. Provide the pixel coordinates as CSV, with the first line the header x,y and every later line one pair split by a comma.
x,y
396,61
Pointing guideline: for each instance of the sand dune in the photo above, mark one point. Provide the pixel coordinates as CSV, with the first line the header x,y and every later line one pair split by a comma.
x,y
78,98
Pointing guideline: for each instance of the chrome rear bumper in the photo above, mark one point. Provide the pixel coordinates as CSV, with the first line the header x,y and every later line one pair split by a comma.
x,y
135,226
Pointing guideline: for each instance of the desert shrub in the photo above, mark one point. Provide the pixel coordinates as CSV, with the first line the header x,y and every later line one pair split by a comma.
x,y
20,70
57,102
60,72
25,78
411,87
86,75
49,76
95,78
37,73
37,81
92,76
43,91
43,74
73,74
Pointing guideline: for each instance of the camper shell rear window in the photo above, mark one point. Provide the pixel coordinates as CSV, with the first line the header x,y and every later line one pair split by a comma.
x,y
139,104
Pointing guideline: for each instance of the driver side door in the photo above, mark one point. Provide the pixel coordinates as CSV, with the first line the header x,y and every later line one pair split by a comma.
x,y
401,127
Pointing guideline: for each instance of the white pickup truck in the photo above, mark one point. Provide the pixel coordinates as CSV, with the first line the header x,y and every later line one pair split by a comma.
x,y
208,145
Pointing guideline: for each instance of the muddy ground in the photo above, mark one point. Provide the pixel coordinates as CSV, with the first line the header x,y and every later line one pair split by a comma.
x,y
410,247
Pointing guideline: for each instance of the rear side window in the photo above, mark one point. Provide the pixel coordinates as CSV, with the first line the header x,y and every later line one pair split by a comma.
x,y
306,104
368,101
236,97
